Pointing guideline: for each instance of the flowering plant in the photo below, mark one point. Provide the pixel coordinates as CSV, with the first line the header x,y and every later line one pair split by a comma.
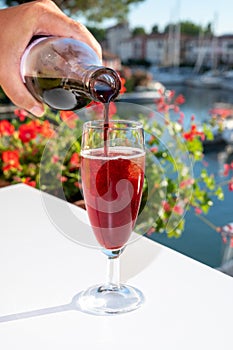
x,y
171,188
195,190
22,143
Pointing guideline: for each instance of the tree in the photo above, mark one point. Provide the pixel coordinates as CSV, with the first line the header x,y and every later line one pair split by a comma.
x,y
186,27
208,29
98,33
155,29
138,31
94,11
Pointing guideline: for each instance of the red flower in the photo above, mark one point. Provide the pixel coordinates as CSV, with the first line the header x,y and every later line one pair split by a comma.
x,y
28,132
171,94
6,128
10,160
28,181
21,113
176,109
152,140
166,206
98,108
8,156
55,159
230,185
181,118
226,168
198,211
78,184
112,109
63,179
154,149
123,88
179,100
178,210
221,112
74,161
187,183
162,106
168,101
69,118
150,231
190,135
45,129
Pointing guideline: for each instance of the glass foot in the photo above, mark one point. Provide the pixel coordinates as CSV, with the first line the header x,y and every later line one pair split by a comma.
x,y
110,300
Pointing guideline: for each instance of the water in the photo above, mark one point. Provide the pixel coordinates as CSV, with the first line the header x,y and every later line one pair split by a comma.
x,y
199,101
198,240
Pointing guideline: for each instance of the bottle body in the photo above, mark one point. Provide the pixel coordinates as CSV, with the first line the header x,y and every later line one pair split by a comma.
x,y
67,74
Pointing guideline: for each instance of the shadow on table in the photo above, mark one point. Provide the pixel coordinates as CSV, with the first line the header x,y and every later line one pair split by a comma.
x,y
39,312
139,256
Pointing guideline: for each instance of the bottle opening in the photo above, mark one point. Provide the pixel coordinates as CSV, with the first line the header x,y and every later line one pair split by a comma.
x,y
105,87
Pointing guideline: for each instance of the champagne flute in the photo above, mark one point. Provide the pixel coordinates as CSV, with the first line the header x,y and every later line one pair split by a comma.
x,y
112,172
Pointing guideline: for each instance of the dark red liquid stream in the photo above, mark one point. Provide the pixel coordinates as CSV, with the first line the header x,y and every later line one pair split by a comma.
x,y
106,128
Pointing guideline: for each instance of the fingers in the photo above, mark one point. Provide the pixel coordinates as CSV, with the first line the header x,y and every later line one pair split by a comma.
x,y
10,77
38,17
51,20
21,97
80,32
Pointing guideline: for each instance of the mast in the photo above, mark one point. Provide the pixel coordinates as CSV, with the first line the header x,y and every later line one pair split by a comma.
x,y
173,51
201,52
214,52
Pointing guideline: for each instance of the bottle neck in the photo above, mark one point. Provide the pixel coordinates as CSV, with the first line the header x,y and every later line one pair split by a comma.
x,y
103,83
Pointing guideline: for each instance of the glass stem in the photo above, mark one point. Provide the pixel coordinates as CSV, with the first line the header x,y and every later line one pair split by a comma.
x,y
113,272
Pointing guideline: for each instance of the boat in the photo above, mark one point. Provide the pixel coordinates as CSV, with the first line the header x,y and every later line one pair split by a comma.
x,y
227,82
224,113
170,75
227,259
209,80
143,94
140,97
227,133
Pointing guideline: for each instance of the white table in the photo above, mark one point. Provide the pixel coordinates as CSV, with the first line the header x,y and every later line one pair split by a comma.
x,y
188,305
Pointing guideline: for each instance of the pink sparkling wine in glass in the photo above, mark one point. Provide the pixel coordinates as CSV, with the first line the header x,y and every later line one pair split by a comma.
x,y
112,186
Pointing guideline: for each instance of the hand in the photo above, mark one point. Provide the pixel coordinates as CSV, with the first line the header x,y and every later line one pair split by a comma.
x,y
18,25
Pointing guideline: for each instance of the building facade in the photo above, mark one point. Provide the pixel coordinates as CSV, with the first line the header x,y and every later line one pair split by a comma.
x,y
170,49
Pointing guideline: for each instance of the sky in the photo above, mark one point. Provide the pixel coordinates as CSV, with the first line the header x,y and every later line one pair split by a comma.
x,y
200,12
